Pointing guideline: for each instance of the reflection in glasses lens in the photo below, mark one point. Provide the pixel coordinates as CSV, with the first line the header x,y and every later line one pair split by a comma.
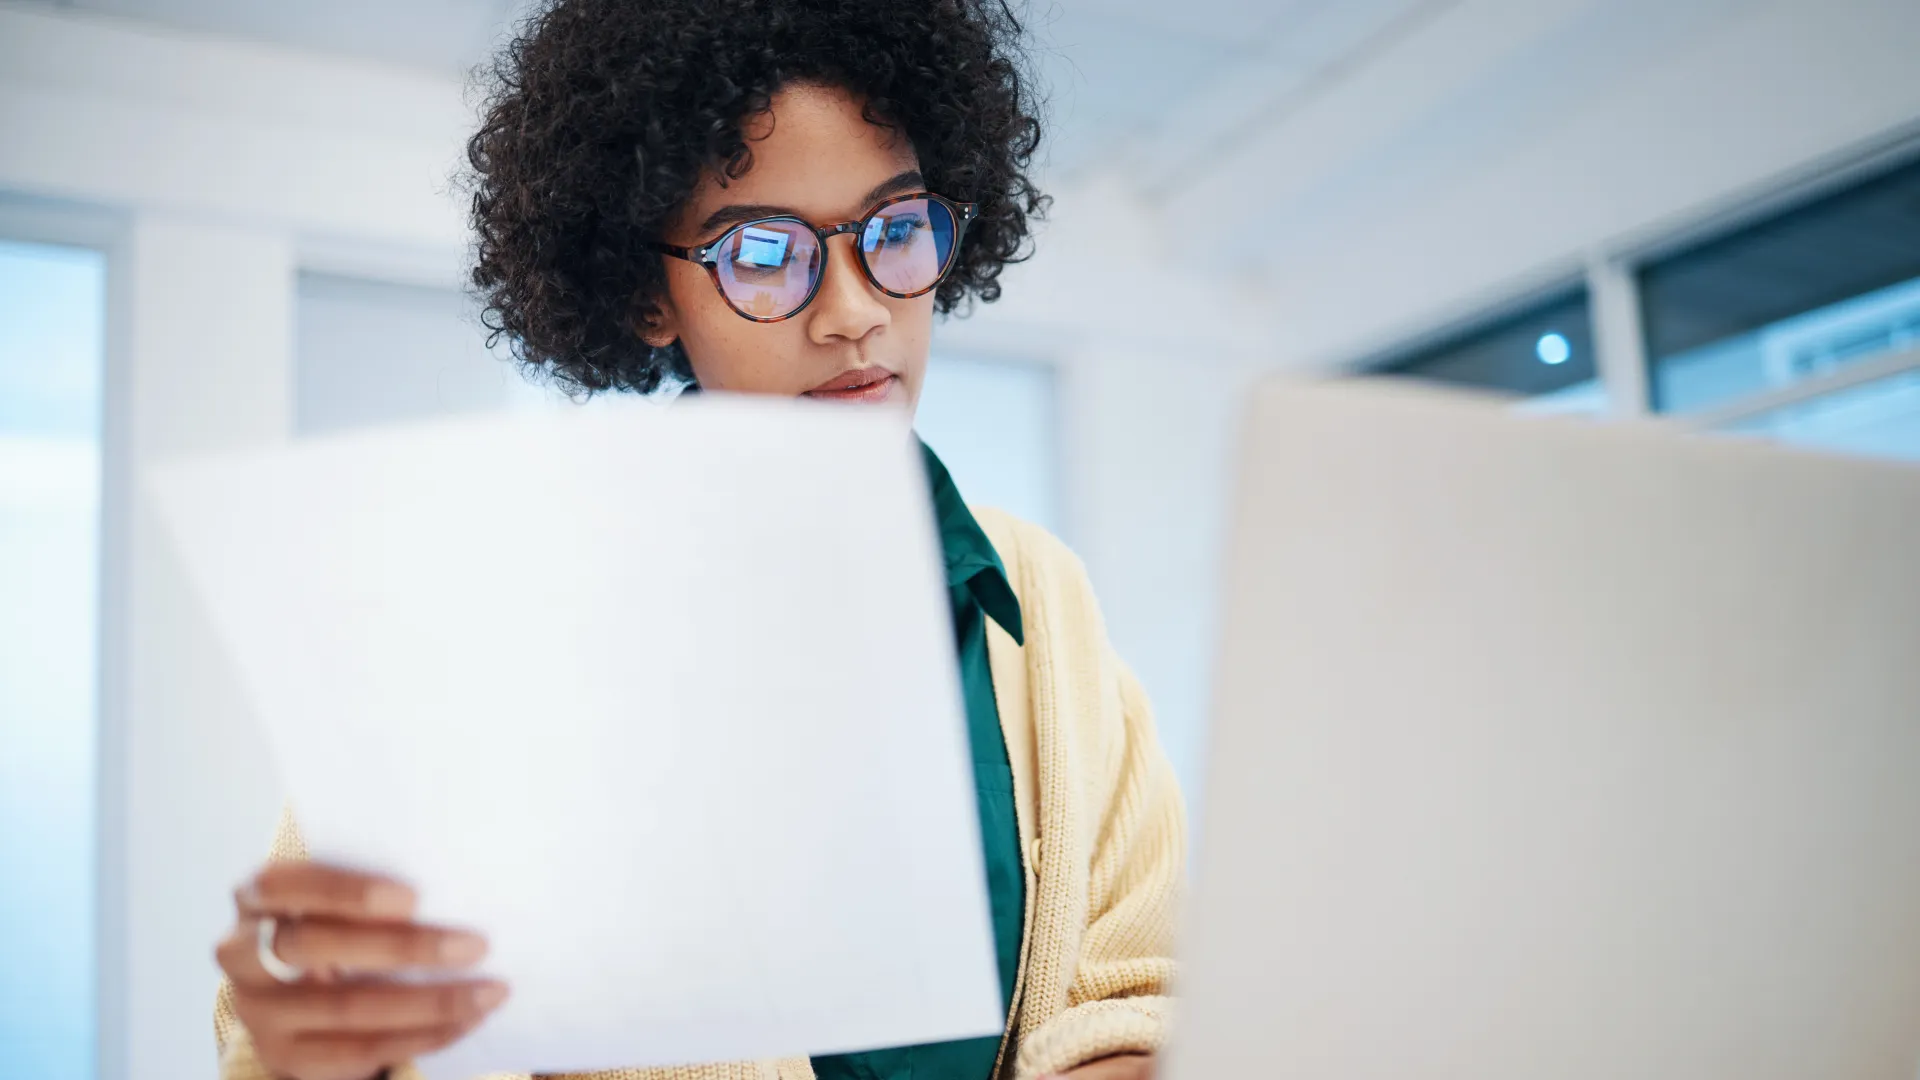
x,y
769,268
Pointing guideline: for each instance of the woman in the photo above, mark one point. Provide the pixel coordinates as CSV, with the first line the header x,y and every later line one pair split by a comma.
x,y
775,197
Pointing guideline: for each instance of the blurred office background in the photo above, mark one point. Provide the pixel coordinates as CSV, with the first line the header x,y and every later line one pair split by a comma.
x,y
229,222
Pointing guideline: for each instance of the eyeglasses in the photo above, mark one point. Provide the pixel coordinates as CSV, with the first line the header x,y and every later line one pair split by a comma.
x,y
770,268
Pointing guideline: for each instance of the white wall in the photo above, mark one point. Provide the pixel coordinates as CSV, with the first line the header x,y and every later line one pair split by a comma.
x,y
212,306
111,112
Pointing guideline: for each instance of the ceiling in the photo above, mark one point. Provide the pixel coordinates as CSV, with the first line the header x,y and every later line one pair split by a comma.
x,y
440,35
1145,83
1140,84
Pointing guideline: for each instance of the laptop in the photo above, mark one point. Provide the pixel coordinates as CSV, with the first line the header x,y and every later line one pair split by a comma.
x,y
1554,750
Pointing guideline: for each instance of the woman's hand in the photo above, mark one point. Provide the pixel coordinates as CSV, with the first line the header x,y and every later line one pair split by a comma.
x,y
1122,1067
346,1019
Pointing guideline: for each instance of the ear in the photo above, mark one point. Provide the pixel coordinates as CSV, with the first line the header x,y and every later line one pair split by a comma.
x,y
662,328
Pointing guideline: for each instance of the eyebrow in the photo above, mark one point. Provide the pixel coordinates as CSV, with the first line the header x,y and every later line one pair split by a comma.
x,y
729,216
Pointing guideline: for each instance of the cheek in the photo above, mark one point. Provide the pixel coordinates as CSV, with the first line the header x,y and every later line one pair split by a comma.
x,y
912,329
728,352
747,358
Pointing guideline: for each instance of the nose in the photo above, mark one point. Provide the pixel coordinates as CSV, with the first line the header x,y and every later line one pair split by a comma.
x,y
848,306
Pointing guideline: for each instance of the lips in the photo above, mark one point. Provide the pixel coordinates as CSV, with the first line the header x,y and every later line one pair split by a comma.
x,y
857,384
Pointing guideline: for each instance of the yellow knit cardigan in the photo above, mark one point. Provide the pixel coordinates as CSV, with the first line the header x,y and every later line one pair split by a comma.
x,y
1102,833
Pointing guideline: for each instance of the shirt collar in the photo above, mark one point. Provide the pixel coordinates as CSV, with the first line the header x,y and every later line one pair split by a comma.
x,y
972,563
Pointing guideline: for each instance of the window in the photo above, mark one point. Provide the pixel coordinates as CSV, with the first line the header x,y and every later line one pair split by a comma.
x,y
992,423
1803,327
372,352
1876,419
52,314
1796,297
1544,353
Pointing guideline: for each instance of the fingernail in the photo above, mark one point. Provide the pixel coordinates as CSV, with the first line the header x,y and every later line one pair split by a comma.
x,y
389,900
458,949
488,998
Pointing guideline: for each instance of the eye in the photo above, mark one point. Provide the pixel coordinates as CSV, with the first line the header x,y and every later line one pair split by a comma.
x,y
895,230
901,229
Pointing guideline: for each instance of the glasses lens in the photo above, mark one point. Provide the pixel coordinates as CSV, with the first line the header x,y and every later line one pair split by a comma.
x,y
767,268
908,244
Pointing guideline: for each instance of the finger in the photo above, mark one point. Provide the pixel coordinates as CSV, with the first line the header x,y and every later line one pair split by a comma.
x,y
378,1007
355,1056
238,955
326,948
306,888
1118,1067
375,948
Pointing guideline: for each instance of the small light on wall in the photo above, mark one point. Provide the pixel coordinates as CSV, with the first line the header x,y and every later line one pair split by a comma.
x,y
1553,349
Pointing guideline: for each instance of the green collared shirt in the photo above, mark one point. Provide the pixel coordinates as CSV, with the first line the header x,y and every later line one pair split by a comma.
x,y
978,590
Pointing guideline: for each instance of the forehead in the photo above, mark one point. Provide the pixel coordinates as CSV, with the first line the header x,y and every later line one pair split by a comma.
x,y
813,154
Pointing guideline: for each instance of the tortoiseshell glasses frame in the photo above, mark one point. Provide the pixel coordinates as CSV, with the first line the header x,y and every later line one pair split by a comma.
x,y
869,230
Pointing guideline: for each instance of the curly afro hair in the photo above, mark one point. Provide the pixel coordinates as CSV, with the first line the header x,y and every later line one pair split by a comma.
x,y
603,115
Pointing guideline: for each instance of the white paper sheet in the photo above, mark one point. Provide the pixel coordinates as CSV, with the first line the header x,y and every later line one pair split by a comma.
x,y
662,701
